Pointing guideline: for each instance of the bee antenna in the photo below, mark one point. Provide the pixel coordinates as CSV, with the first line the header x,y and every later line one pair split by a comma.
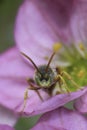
x,y
31,61
50,61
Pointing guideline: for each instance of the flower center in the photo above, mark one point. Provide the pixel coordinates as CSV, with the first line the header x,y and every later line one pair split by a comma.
x,y
76,57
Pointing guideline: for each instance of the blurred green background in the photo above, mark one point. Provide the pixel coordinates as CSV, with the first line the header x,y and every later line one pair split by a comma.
x,y
8,11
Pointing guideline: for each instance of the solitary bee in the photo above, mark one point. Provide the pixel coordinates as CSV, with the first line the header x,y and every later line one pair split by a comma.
x,y
46,79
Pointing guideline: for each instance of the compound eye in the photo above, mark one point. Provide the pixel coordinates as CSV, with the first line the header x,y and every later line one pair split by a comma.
x,y
39,75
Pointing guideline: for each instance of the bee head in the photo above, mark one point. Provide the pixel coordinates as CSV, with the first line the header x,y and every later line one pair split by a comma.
x,y
44,75
45,78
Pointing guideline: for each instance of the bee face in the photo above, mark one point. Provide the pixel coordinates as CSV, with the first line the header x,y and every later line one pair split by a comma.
x,y
44,79
44,75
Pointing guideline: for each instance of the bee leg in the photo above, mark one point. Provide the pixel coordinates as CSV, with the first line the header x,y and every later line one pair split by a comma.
x,y
32,87
26,96
29,80
70,78
25,99
36,90
60,84
60,79
58,70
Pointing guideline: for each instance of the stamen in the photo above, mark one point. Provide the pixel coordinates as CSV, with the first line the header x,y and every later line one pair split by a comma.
x,y
81,46
57,47
83,49
81,73
77,59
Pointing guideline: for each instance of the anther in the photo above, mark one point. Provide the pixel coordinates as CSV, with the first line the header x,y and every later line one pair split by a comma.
x,y
57,47
81,73
81,46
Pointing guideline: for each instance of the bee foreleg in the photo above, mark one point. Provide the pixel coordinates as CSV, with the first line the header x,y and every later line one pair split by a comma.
x,y
32,87
25,99
70,78
60,79
29,80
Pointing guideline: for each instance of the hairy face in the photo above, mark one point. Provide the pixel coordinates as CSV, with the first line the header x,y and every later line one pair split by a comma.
x,y
45,78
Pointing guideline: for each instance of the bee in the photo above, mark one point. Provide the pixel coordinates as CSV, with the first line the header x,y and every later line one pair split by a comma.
x,y
46,79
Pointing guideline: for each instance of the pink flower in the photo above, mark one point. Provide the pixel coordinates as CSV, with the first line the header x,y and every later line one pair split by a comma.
x,y
53,21
62,119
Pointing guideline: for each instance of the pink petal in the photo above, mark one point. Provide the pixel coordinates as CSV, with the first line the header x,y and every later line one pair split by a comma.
x,y
36,106
81,103
51,22
5,127
47,25
12,65
13,74
7,117
62,118
78,22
